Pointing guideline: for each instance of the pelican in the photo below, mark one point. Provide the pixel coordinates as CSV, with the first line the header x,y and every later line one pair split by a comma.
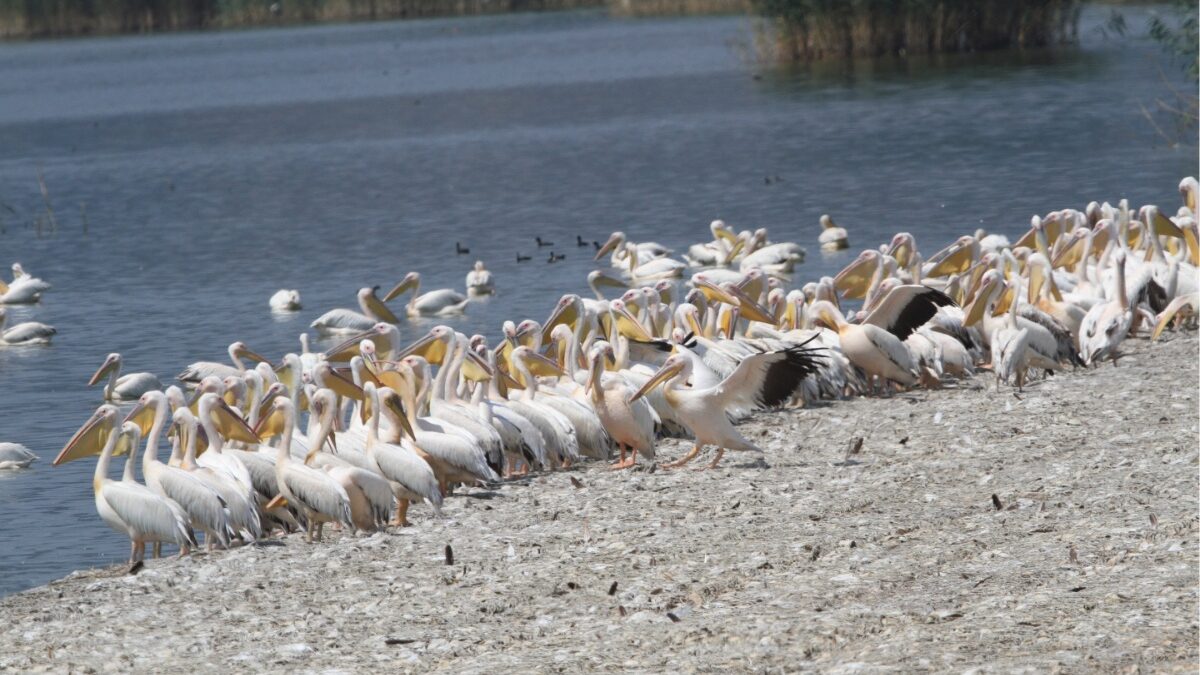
x,y
617,243
479,281
286,300
312,492
833,238
629,423
877,344
214,413
125,506
410,477
123,387
434,303
23,291
371,499
205,507
766,379
15,456
25,333
1106,324
719,251
1016,348
20,276
337,321
651,270
1182,308
199,370
772,258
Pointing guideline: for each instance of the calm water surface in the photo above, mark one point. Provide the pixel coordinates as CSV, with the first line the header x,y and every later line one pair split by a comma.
x,y
217,168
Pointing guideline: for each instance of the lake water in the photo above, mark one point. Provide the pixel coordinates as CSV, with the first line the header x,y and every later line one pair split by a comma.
x,y
217,168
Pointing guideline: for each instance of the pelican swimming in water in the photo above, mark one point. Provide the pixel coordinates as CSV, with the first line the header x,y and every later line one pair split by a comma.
x,y
286,300
123,387
127,507
22,291
764,379
25,333
479,281
434,303
833,238
195,372
15,456
617,242
372,311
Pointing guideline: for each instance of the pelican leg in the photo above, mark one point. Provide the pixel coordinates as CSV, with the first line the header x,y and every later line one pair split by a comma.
x,y
321,531
157,549
625,463
308,531
685,459
716,460
401,519
132,551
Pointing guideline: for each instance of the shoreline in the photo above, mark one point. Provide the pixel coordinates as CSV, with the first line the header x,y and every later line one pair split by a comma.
x,y
899,556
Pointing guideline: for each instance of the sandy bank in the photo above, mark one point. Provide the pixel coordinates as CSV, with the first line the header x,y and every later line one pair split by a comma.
x,y
1086,559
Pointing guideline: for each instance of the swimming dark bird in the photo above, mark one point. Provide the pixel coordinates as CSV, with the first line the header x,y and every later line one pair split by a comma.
x,y
460,249
541,243
596,245
579,241
555,257
523,258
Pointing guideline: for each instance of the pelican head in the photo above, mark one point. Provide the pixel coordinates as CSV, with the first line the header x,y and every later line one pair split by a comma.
x,y
526,330
411,281
239,350
615,240
676,365
567,311
854,279
711,290
433,347
91,437
385,335
989,284
111,363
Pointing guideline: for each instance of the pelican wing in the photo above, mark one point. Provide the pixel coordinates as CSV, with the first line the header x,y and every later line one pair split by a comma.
x,y
201,369
203,504
147,514
30,331
376,489
403,466
343,319
318,491
769,378
907,308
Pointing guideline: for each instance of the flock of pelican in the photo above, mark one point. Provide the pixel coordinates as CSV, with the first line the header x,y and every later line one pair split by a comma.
x,y
356,435
24,289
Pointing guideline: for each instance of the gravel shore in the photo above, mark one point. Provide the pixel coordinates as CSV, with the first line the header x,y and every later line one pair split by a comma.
x,y
1050,530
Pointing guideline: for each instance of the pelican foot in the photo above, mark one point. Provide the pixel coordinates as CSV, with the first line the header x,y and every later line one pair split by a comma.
x,y
623,464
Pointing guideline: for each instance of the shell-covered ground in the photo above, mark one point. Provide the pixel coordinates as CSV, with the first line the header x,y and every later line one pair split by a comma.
x,y
1055,529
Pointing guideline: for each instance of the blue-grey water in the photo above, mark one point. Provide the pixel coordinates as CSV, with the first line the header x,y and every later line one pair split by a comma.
x,y
217,168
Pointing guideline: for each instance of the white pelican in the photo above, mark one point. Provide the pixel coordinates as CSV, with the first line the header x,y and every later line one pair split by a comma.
x,y
26,333
213,411
877,344
123,387
434,303
411,478
372,311
561,439
371,498
767,379
125,506
617,243
1106,324
205,507
719,251
15,456
313,493
286,300
833,238
651,270
22,291
479,281
1182,308
197,371
772,258
1016,348
20,276
629,423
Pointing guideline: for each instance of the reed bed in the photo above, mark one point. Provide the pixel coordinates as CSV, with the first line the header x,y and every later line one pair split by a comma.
x,y
810,30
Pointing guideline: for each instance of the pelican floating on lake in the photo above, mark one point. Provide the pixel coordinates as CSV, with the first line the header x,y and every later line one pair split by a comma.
x,y
479,280
123,387
286,300
434,303
25,333
15,456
